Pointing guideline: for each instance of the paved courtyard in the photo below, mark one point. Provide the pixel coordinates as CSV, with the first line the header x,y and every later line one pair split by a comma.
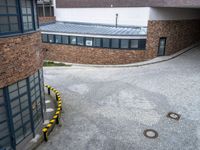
x,y
109,108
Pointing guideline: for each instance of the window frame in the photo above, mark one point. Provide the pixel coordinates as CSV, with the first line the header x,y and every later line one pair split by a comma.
x,y
19,16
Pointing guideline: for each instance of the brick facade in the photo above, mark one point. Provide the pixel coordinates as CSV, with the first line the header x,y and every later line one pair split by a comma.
x,y
20,57
87,55
45,20
179,34
126,3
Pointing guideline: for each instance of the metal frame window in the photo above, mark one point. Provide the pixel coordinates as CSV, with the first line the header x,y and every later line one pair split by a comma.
x,y
73,40
17,16
115,43
58,39
106,43
36,99
65,39
4,125
124,44
18,95
80,41
9,17
128,44
134,44
88,41
27,14
97,42
21,109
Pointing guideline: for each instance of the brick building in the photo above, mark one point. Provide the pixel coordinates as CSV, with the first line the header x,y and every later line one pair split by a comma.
x,y
171,26
21,75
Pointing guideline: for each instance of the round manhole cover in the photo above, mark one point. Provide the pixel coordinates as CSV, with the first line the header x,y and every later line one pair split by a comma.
x,y
174,116
150,133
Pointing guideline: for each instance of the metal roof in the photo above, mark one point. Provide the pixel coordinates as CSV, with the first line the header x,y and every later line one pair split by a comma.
x,y
93,29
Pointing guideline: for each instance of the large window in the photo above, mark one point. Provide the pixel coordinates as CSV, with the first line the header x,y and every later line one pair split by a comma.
x,y
73,40
18,94
65,39
128,44
8,16
134,44
80,41
106,43
97,42
4,128
125,44
58,39
89,41
17,16
115,43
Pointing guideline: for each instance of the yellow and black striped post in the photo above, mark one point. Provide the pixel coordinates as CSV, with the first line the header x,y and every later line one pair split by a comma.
x,y
44,130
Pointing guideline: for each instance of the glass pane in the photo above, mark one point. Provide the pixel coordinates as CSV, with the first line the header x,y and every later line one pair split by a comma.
x,y
4,28
16,110
14,27
30,26
28,10
44,38
134,43
22,90
13,19
106,43
24,11
15,103
51,38
3,10
24,105
28,3
88,42
14,94
3,2
11,2
5,141
73,40
1,92
24,98
3,126
115,43
30,19
4,20
125,44
97,42
22,83
58,38
19,135
12,87
80,41
17,124
12,10
4,133
65,39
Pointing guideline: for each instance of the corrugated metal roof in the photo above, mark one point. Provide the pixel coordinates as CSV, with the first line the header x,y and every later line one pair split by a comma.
x,y
93,29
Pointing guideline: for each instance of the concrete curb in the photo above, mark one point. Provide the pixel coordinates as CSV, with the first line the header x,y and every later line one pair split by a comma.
x,y
144,63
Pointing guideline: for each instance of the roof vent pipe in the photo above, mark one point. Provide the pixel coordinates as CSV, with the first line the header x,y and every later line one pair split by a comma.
x,y
116,20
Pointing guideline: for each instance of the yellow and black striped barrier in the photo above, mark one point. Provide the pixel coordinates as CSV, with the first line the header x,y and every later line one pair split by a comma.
x,y
56,118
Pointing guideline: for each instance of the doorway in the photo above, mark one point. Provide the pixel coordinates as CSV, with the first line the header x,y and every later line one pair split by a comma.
x,y
162,45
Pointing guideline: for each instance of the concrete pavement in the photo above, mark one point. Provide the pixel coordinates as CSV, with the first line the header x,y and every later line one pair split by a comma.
x,y
109,108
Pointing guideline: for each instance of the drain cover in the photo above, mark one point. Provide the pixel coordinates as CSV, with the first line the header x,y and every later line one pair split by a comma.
x,y
173,115
150,133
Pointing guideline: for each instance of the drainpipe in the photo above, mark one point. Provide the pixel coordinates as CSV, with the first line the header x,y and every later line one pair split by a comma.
x,y
116,20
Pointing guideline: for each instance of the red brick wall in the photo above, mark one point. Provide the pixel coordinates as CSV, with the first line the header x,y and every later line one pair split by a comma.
x,y
179,34
44,20
20,57
87,55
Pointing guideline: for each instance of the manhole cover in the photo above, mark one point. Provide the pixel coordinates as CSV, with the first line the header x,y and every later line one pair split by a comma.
x,y
150,133
173,115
